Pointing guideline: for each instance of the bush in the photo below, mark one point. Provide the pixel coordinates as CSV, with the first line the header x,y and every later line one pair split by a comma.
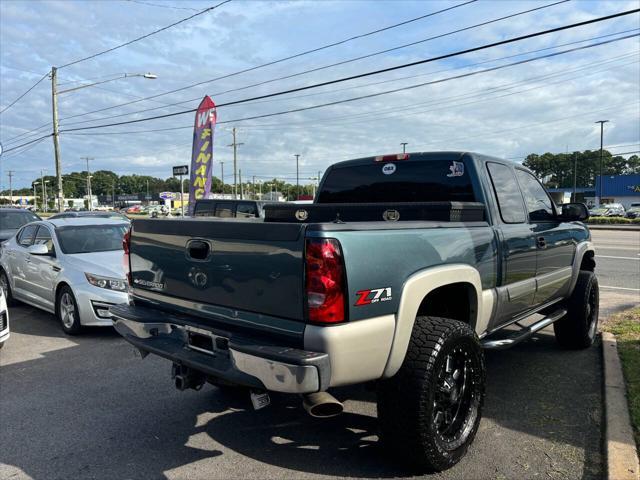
x,y
613,221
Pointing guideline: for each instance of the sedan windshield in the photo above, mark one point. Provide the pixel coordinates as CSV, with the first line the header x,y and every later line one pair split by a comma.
x,y
91,238
14,220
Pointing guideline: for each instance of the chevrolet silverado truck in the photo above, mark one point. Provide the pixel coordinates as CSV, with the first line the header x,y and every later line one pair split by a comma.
x,y
403,270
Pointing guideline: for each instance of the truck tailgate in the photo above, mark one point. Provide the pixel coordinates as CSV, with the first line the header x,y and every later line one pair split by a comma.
x,y
244,265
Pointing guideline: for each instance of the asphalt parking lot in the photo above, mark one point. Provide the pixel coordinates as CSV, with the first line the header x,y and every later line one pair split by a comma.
x,y
87,407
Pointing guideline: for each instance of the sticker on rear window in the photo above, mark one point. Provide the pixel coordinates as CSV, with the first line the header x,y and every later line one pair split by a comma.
x,y
457,169
389,169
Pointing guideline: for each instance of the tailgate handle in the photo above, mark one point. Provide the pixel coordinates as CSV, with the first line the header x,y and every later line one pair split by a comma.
x,y
198,249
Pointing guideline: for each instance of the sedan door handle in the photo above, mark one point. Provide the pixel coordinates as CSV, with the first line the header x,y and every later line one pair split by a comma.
x,y
55,269
542,243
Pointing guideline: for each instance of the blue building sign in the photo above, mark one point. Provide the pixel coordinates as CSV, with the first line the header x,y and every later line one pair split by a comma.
x,y
619,185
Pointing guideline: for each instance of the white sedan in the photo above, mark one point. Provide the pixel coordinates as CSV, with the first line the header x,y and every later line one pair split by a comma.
x,y
71,267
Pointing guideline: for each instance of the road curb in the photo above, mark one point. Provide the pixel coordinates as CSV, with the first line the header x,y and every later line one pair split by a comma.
x,y
622,457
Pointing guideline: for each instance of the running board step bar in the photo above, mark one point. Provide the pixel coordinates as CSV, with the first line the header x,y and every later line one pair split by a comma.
x,y
525,333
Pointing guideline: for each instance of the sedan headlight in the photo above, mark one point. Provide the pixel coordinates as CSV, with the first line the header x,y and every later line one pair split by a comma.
x,y
106,282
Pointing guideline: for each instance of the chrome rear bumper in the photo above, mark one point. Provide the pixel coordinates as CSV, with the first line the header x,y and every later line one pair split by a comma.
x,y
237,360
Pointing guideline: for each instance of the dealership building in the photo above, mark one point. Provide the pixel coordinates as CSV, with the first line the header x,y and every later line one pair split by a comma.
x,y
624,189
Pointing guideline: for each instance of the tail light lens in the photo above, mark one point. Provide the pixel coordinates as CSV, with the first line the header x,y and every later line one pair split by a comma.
x,y
325,280
126,244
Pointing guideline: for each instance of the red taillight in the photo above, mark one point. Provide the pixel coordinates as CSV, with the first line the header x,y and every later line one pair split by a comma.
x,y
126,243
325,280
392,158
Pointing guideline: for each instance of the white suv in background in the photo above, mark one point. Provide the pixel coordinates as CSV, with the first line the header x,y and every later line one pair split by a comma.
x,y
4,319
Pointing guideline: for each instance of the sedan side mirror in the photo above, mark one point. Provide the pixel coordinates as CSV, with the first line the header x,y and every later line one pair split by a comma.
x,y
572,212
39,249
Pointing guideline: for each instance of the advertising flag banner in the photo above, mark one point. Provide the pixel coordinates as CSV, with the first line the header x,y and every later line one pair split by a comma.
x,y
201,156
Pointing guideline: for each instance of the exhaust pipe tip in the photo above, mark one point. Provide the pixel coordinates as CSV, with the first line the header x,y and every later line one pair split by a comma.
x,y
181,383
322,405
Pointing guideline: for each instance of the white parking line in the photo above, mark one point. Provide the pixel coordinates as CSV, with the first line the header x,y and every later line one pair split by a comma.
x,y
620,258
620,288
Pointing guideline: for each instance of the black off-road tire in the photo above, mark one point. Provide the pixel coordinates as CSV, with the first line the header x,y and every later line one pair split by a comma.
x,y
409,402
579,327
8,294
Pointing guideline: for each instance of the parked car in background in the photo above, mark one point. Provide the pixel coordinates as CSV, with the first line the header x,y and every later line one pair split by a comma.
x,y
92,214
614,209
71,267
11,219
4,320
633,211
134,209
229,208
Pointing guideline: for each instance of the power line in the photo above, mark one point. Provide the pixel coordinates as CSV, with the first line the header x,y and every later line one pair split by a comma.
x,y
27,143
206,10
163,6
337,102
315,50
362,85
274,62
21,96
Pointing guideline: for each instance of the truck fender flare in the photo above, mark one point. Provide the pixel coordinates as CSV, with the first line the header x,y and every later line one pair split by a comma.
x,y
415,289
582,249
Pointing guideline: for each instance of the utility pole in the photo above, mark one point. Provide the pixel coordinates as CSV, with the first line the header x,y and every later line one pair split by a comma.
x,y
148,192
599,193
253,187
44,191
56,141
35,203
113,195
88,181
297,177
575,175
222,177
404,146
240,179
235,163
10,174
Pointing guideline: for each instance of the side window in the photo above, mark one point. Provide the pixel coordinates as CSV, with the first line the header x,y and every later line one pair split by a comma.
x,y
205,209
27,234
43,237
507,193
536,198
224,210
246,210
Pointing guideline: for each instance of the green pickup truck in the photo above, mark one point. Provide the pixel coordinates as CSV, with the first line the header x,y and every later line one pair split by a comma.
x,y
403,270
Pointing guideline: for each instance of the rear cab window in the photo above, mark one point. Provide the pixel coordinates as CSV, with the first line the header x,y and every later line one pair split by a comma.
x,y
204,209
246,210
399,181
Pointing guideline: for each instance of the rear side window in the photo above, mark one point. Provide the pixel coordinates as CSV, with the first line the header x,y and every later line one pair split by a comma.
x,y
204,209
26,235
538,202
507,192
246,210
402,181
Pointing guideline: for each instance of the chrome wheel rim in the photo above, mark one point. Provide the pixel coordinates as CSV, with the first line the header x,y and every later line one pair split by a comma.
x,y
456,395
67,310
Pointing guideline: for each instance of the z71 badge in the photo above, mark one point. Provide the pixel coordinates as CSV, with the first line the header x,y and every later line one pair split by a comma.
x,y
375,295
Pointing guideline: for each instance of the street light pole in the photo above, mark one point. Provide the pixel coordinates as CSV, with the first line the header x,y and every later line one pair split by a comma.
x,y
54,108
404,146
601,122
235,163
222,177
10,174
575,174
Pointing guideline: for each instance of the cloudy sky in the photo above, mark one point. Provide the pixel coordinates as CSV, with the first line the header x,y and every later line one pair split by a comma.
x,y
549,104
